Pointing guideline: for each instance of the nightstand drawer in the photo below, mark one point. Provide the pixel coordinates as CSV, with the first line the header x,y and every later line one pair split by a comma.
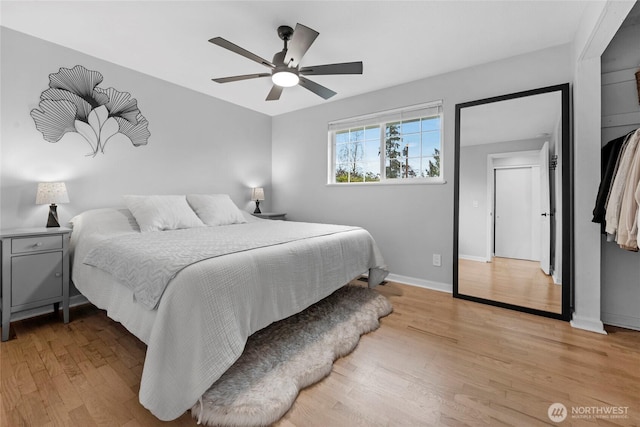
x,y
32,244
36,277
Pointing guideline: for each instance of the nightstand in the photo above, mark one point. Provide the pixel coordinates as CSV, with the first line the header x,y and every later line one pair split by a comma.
x,y
35,271
271,215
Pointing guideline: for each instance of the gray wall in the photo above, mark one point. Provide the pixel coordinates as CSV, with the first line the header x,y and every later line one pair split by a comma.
x,y
197,144
409,222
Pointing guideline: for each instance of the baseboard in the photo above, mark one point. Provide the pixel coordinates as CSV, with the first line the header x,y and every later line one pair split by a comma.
x,y
592,325
473,258
421,283
628,322
73,301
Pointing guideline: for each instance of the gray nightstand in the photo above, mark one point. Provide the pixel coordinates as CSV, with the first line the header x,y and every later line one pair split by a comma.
x,y
271,215
35,271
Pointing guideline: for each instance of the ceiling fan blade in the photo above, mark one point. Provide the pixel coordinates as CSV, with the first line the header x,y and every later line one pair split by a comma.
x,y
238,78
240,51
342,68
275,93
316,88
300,42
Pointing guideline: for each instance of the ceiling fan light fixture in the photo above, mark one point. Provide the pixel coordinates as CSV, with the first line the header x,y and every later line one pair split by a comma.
x,y
285,78
285,68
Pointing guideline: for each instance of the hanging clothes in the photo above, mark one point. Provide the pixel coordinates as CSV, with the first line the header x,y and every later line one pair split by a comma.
x,y
610,159
622,208
612,214
627,236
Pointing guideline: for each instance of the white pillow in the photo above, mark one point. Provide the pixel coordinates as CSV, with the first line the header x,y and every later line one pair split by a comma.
x,y
154,213
216,209
105,220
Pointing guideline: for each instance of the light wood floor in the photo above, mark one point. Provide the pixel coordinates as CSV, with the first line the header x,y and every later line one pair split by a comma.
x,y
512,281
434,361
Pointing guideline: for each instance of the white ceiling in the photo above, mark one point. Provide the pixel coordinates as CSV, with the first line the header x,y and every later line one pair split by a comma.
x,y
398,41
529,117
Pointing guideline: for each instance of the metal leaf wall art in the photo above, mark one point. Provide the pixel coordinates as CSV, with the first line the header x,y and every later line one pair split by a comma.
x,y
75,103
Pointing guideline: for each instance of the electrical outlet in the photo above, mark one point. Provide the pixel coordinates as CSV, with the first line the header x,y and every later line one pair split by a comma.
x,y
437,261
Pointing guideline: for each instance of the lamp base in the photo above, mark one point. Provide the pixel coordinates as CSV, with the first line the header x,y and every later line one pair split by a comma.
x,y
257,207
52,220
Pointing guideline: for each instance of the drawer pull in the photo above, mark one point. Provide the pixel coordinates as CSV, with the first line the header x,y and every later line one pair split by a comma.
x,y
38,244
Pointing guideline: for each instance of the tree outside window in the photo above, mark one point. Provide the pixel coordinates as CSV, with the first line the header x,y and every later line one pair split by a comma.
x,y
357,155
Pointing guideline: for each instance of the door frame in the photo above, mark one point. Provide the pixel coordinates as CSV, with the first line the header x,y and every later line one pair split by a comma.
x,y
491,167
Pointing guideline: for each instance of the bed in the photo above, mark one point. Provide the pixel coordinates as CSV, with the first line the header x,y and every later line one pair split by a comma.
x,y
213,300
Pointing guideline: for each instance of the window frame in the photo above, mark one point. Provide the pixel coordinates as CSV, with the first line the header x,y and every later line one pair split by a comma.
x,y
382,120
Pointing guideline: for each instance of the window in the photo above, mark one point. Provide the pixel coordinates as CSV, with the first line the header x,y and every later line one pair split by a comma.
x,y
398,146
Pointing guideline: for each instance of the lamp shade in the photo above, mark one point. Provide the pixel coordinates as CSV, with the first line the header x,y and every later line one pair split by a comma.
x,y
51,193
257,193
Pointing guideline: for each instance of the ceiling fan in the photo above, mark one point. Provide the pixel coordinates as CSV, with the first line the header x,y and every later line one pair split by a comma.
x,y
285,66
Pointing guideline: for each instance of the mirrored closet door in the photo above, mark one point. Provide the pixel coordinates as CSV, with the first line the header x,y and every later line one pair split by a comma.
x,y
512,201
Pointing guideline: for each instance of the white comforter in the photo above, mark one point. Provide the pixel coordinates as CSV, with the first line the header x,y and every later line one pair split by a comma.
x,y
210,308
146,262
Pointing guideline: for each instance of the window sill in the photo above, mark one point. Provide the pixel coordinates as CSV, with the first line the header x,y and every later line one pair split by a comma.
x,y
400,182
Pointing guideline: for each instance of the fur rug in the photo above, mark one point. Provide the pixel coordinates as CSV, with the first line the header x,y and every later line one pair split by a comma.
x,y
287,356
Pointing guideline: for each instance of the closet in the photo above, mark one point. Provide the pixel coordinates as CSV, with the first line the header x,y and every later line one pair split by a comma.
x,y
620,269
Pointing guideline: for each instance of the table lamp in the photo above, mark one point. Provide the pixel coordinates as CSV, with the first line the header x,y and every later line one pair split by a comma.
x,y
257,194
52,193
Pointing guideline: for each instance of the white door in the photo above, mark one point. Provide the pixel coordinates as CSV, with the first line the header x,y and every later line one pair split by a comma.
x,y
545,210
513,207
